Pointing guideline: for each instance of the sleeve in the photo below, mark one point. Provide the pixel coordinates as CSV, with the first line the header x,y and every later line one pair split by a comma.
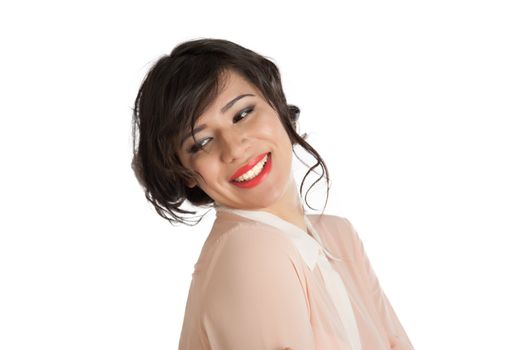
x,y
255,299
390,323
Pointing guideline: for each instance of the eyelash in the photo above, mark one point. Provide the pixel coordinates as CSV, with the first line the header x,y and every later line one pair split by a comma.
x,y
199,145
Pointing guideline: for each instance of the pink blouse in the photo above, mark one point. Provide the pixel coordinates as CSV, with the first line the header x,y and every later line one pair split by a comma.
x,y
263,283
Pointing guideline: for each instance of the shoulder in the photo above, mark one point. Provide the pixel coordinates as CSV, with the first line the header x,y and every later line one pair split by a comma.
x,y
242,236
253,237
332,224
244,247
337,233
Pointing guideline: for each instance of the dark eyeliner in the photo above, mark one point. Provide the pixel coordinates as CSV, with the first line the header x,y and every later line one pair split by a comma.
x,y
247,110
197,146
194,148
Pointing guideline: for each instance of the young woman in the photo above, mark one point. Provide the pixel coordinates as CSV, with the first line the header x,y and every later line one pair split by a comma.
x,y
212,127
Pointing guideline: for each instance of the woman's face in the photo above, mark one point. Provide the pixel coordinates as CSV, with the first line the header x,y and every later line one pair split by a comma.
x,y
239,132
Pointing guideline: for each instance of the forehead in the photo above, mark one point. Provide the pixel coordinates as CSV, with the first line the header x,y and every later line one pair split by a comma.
x,y
232,84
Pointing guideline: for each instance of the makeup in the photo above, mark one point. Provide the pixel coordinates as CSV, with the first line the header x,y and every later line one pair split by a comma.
x,y
246,171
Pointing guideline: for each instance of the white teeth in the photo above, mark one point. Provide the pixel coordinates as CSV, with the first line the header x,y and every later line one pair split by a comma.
x,y
252,173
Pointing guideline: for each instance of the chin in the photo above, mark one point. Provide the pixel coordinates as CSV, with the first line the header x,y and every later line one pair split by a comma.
x,y
272,196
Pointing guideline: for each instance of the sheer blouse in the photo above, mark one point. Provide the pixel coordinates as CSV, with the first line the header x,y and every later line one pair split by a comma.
x,y
261,282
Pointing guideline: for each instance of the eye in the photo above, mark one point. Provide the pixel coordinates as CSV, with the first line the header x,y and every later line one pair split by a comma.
x,y
195,148
199,145
243,114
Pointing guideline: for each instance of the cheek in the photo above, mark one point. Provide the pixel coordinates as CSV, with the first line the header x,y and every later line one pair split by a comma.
x,y
207,167
271,127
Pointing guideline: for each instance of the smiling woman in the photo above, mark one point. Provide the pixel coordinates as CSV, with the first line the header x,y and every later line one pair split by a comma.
x,y
212,127
184,95
243,140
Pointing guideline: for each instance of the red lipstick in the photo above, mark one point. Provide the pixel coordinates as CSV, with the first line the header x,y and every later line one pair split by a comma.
x,y
255,181
247,166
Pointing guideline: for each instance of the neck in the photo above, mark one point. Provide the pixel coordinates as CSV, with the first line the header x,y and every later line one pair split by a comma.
x,y
290,207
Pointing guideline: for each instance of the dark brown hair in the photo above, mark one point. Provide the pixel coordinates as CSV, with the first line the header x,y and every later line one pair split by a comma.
x,y
174,93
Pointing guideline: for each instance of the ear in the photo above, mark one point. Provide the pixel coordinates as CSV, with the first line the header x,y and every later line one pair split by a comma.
x,y
190,183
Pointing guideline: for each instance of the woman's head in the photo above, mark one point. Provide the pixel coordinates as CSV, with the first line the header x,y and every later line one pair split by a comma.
x,y
190,88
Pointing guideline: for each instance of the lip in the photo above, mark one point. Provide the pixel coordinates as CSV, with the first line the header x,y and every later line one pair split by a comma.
x,y
259,178
248,166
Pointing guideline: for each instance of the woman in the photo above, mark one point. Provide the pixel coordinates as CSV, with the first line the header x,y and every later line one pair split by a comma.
x,y
216,131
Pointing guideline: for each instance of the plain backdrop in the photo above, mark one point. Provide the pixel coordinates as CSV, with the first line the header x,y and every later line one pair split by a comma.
x,y
418,108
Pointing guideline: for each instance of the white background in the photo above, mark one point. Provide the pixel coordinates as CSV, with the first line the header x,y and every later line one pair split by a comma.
x,y
417,107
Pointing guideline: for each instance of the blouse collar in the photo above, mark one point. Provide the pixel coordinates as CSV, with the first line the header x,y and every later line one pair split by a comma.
x,y
310,247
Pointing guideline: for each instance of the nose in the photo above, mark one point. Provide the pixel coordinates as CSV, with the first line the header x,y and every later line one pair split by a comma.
x,y
233,146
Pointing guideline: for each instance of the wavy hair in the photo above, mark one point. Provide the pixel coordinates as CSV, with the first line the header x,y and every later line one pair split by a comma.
x,y
174,93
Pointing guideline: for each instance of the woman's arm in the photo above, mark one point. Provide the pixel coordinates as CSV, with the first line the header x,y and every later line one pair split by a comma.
x,y
390,323
255,299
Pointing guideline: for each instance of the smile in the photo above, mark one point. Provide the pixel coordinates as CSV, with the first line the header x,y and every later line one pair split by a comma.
x,y
251,175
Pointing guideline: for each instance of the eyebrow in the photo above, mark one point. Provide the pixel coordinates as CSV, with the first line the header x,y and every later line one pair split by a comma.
x,y
223,110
